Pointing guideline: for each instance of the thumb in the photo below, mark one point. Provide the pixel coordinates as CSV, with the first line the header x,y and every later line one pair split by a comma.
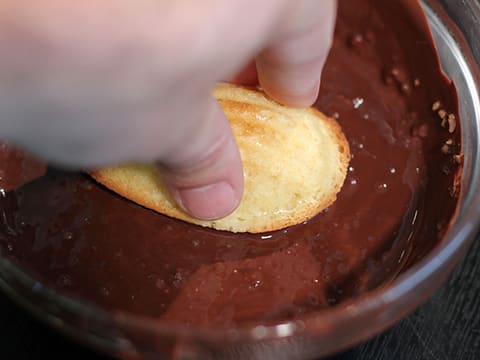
x,y
203,171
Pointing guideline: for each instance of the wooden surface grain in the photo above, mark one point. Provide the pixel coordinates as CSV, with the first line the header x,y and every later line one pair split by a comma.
x,y
446,327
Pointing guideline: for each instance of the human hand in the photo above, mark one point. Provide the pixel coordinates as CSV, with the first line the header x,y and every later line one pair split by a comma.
x,y
92,83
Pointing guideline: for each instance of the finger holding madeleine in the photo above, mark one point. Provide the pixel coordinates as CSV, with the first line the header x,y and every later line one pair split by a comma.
x,y
295,163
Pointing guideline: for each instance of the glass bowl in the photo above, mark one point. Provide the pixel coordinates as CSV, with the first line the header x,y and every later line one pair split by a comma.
x,y
323,333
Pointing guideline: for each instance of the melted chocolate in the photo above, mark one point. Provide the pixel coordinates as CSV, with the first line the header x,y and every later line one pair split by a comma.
x,y
18,168
400,195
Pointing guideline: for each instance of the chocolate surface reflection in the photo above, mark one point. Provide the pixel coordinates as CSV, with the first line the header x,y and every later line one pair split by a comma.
x,y
381,82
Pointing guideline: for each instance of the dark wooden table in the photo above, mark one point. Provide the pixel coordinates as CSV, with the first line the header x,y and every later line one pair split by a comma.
x,y
447,327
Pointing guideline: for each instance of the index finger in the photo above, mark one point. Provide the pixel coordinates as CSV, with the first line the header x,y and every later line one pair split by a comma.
x,y
289,69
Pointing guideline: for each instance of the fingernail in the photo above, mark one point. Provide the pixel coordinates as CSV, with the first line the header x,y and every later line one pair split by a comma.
x,y
208,202
311,95
306,96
